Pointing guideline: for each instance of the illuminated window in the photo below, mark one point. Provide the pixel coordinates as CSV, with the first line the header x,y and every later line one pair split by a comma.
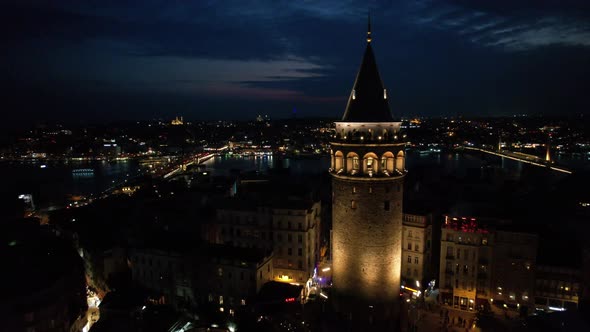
x,y
384,93
355,163
370,190
354,190
353,94
353,204
220,272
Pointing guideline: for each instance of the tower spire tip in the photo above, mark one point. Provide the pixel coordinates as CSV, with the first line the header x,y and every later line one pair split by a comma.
x,y
369,28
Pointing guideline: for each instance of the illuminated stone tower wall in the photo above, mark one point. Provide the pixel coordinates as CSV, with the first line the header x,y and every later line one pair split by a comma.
x,y
368,169
367,238
367,227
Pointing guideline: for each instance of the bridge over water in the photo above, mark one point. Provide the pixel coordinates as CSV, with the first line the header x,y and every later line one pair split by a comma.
x,y
523,157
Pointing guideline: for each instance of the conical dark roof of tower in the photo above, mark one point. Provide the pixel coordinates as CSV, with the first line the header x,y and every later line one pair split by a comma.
x,y
368,100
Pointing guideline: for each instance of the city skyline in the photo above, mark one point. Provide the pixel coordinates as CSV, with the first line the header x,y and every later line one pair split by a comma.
x,y
126,61
242,183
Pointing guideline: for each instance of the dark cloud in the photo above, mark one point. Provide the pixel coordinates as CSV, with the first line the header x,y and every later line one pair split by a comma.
x,y
231,58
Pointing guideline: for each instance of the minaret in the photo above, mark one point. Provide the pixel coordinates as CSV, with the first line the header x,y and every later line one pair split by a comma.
x,y
368,170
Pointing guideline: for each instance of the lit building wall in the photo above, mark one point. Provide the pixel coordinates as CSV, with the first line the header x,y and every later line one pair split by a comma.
x,y
367,239
296,242
480,264
465,258
290,232
416,248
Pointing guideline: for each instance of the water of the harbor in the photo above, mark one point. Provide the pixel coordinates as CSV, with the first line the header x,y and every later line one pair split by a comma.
x,y
53,184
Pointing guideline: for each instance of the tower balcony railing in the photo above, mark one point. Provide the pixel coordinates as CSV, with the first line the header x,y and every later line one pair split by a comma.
x,y
372,139
384,173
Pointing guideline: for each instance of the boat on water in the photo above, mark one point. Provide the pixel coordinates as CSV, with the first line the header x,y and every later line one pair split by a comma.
x,y
425,151
83,171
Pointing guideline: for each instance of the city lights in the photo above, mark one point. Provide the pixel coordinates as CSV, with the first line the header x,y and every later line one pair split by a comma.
x,y
207,172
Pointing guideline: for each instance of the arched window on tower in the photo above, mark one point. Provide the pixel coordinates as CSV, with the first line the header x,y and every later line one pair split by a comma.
x,y
387,162
352,163
338,161
370,164
400,162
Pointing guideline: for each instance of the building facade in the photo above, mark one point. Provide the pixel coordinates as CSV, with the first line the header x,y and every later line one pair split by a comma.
x,y
513,268
368,169
557,288
416,249
215,275
480,264
290,229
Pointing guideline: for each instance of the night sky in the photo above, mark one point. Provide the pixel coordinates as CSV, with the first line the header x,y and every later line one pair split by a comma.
x,y
105,60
